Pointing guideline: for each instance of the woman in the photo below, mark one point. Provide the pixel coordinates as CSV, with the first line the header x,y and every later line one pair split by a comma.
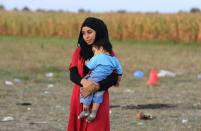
x,y
92,29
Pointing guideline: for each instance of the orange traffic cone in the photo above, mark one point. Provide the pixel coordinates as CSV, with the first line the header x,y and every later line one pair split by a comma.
x,y
153,77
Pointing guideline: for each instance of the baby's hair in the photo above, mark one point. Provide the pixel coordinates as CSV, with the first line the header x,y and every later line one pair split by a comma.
x,y
105,44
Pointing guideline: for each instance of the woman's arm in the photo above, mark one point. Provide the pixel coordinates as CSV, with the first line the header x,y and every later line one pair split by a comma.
x,y
74,76
108,82
102,85
77,79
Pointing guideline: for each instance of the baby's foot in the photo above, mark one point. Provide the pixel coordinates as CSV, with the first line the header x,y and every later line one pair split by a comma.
x,y
83,114
91,117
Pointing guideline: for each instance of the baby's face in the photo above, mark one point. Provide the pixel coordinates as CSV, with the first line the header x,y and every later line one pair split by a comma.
x,y
97,51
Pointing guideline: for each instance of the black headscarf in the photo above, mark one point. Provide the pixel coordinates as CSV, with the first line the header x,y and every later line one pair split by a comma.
x,y
101,33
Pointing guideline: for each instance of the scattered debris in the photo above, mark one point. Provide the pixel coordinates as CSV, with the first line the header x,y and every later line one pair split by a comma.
x,y
50,74
16,80
199,76
110,111
8,83
50,85
127,90
184,121
115,106
195,104
46,93
141,116
164,73
147,106
7,118
11,83
140,123
42,122
58,106
24,104
138,74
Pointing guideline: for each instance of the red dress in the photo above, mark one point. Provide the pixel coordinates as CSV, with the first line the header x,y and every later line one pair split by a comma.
x,y
101,122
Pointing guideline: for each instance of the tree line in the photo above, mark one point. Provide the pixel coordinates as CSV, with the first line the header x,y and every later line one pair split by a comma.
x,y
82,10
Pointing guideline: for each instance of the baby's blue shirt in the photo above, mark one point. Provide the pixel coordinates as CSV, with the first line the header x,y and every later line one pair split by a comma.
x,y
102,65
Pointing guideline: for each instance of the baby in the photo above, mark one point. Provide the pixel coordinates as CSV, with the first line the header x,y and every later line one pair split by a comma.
x,y
101,65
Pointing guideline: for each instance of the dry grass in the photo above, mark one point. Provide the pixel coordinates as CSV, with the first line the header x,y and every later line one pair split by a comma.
x,y
173,100
184,27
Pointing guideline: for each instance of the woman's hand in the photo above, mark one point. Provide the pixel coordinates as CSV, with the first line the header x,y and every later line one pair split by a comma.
x,y
88,87
86,83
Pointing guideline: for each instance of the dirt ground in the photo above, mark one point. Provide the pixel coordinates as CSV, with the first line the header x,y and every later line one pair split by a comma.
x,y
35,88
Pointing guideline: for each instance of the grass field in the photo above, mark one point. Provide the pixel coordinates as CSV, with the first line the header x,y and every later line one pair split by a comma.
x,y
175,102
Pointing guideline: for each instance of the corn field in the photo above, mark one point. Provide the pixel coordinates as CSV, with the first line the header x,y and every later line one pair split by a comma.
x,y
180,27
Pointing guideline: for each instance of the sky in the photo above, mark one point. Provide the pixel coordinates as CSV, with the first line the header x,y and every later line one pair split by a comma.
x,y
163,6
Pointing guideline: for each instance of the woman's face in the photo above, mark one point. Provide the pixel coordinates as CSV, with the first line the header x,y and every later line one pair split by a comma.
x,y
89,35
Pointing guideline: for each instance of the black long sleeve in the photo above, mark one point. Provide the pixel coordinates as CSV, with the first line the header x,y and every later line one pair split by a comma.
x,y
74,76
104,84
108,82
